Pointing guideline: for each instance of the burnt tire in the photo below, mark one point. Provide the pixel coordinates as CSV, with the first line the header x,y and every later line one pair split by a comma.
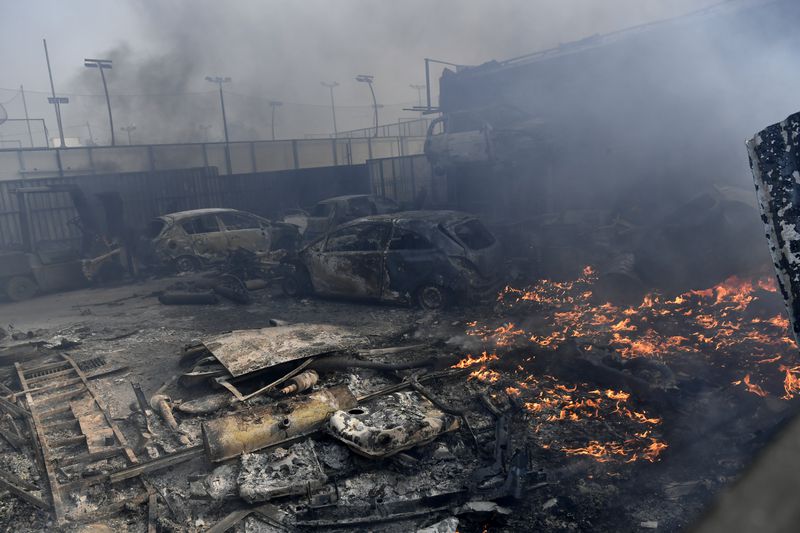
x,y
296,284
19,288
432,297
187,263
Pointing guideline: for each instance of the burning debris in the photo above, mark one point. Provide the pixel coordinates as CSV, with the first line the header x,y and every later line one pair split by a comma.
x,y
315,423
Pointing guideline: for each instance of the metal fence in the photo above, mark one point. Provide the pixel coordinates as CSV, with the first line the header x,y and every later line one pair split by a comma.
x,y
144,195
246,157
417,127
408,180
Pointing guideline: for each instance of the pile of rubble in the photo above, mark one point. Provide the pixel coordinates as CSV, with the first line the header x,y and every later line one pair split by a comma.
x,y
295,425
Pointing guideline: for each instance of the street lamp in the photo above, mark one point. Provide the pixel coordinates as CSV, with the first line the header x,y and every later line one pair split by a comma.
x,y
419,89
128,129
219,81
55,100
331,86
273,104
364,78
101,65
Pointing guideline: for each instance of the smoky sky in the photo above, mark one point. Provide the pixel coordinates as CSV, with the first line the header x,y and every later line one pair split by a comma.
x,y
276,50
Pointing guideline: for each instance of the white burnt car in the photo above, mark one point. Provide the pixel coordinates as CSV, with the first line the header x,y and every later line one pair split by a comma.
x,y
189,240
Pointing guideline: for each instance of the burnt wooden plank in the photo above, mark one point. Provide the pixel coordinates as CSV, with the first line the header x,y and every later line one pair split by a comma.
x,y
117,433
21,489
37,434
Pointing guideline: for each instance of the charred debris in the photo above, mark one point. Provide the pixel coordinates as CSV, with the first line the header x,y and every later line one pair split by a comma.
x,y
543,405
504,345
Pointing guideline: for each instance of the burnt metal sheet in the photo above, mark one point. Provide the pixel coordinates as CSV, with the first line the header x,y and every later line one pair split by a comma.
x,y
249,350
775,162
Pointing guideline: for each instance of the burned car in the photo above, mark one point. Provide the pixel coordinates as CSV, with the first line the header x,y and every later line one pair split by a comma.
x,y
428,258
188,240
330,213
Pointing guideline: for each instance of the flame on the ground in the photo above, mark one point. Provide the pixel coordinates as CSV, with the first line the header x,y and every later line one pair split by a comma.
x,y
711,325
601,413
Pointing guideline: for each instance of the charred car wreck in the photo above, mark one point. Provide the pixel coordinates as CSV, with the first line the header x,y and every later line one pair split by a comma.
x,y
429,258
189,240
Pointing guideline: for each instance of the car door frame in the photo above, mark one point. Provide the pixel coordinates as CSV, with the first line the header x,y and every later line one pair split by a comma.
x,y
204,250
403,275
232,235
333,272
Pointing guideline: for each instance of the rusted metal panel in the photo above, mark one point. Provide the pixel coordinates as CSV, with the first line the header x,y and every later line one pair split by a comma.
x,y
245,351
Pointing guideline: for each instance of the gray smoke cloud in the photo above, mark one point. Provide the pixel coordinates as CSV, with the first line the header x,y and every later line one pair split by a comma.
x,y
282,50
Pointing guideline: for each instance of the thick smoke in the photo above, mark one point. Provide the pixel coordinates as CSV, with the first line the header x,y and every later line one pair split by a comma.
x,y
282,50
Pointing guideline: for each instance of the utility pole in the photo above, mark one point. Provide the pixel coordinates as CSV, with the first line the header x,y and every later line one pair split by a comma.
x,y
219,81
56,101
128,129
419,92
91,136
273,104
364,78
102,64
333,106
27,118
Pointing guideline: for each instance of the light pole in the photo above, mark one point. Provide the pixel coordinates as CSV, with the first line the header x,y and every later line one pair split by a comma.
x,y
419,89
364,78
219,81
101,65
273,104
331,86
55,100
128,129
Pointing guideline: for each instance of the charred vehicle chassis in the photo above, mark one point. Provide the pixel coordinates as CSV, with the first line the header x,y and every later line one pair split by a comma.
x,y
429,258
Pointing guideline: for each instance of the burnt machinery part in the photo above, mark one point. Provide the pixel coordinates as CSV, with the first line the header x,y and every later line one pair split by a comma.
x,y
20,288
187,263
188,298
775,162
233,288
297,282
260,427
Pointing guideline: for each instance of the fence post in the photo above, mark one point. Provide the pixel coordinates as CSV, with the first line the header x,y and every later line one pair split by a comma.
x,y
295,155
91,159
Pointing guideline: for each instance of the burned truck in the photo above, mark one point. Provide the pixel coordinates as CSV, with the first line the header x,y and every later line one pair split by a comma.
x,y
570,165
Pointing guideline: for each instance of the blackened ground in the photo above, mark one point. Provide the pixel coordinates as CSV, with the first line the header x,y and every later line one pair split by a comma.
x,y
712,433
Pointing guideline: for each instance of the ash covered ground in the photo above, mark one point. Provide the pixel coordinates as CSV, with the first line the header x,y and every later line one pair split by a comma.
x,y
619,417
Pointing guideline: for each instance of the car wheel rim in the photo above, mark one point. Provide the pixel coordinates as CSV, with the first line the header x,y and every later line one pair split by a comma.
x,y
432,298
